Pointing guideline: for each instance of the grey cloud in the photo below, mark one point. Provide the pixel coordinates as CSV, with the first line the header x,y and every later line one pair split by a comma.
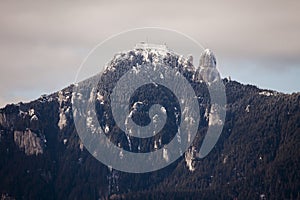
x,y
43,40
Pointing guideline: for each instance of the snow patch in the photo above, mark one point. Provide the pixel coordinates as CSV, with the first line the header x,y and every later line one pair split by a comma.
x,y
65,141
81,145
266,93
34,118
161,76
247,109
163,110
92,96
165,154
225,159
214,118
89,123
155,145
100,98
106,129
190,156
31,112
63,109
62,119
262,196
121,155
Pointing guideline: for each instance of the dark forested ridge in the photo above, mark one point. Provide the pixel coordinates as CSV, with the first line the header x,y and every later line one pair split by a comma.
x,y
256,157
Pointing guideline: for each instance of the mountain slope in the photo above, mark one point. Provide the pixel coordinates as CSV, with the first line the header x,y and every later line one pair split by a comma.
x,y
257,155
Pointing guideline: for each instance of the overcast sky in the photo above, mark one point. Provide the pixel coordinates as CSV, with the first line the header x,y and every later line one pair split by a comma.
x,y
43,44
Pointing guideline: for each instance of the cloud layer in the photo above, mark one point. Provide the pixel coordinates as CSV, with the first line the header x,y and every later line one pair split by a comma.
x,y
43,44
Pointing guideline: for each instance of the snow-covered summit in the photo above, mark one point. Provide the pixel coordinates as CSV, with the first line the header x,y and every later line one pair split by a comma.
x,y
155,54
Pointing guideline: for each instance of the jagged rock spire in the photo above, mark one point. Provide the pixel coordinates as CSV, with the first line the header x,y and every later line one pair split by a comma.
x,y
207,59
207,71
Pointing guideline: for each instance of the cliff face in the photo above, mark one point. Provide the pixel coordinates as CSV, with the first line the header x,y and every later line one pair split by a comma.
x,y
257,155
207,70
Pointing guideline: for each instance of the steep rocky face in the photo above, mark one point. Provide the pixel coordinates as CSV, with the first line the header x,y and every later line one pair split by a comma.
x,y
207,70
29,142
7,119
256,157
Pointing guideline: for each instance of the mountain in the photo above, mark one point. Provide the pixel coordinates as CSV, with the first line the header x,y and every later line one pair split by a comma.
x,y
256,157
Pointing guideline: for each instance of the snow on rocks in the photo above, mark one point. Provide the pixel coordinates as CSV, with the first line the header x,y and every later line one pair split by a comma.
x,y
165,154
65,141
34,118
207,71
214,118
190,156
154,54
62,120
266,93
63,100
155,145
81,145
89,122
247,109
31,112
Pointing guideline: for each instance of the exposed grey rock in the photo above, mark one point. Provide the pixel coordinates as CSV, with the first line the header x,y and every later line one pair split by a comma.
x,y
207,59
190,156
2,119
29,141
7,120
207,71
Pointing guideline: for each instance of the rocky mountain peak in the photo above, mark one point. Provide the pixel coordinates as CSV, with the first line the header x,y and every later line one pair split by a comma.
x,y
42,156
207,59
153,54
207,71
